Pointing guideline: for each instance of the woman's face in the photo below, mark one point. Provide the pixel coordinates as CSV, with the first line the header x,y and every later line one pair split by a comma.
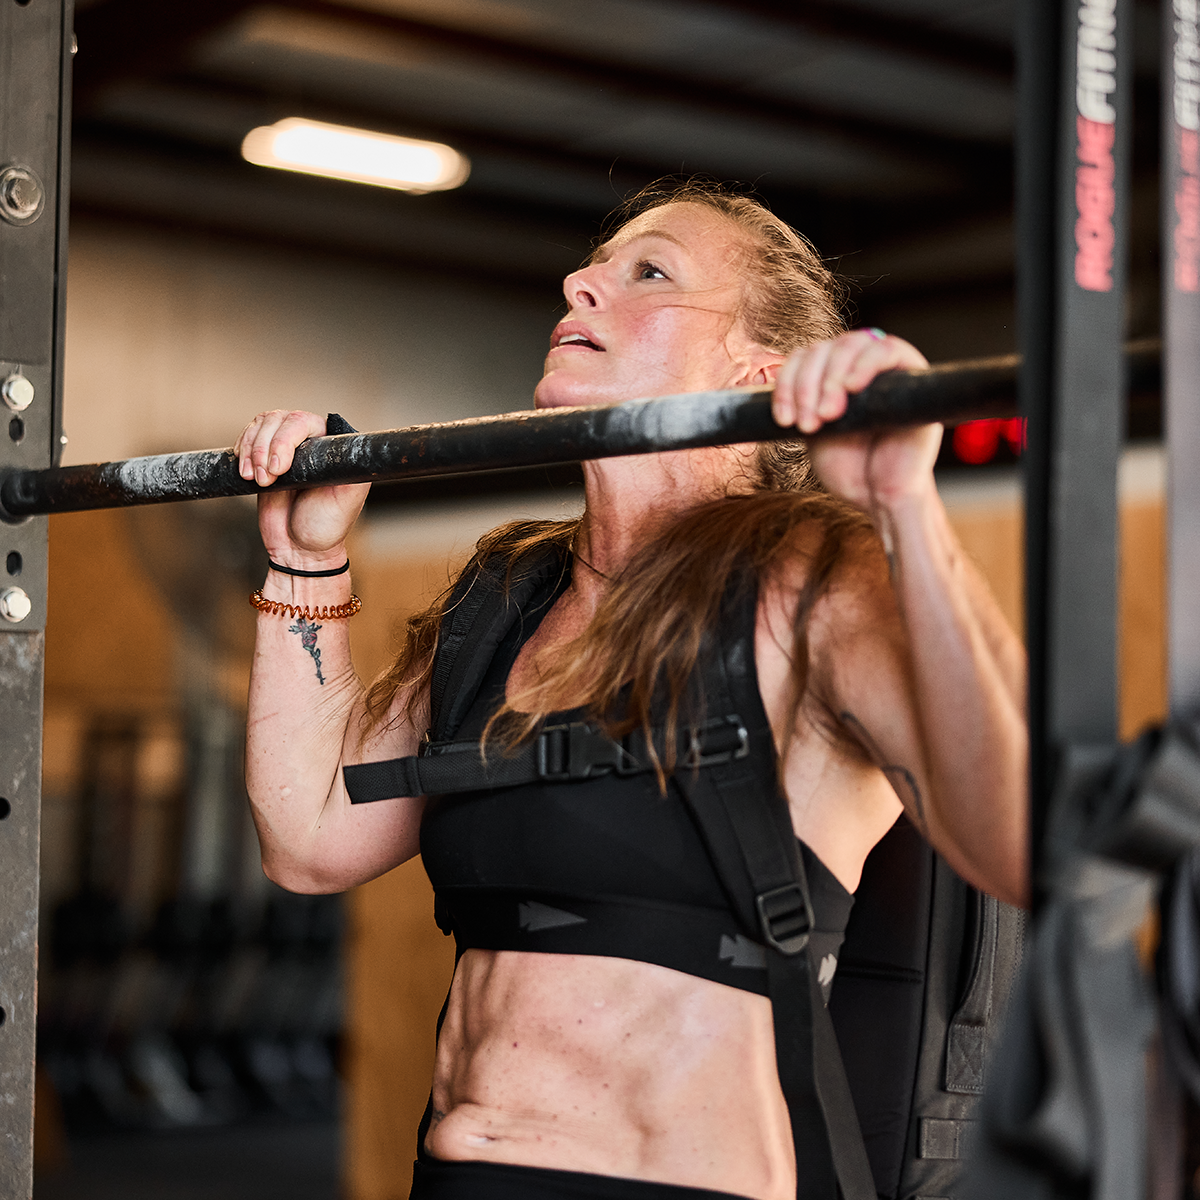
x,y
655,313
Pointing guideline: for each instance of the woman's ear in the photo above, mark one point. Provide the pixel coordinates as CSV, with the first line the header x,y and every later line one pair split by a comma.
x,y
761,371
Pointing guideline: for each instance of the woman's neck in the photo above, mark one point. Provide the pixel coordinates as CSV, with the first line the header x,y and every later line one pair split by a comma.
x,y
630,500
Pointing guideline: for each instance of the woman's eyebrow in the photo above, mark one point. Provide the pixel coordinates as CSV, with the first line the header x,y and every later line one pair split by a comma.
x,y
605,251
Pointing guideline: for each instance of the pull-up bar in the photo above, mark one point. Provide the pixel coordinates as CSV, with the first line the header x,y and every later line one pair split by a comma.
x,y
950,392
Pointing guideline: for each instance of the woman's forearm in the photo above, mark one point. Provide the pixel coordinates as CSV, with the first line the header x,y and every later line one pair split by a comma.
x,y
302,692
969,694
304,713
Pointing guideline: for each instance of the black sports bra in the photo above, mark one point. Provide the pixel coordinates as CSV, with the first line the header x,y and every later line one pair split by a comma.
x,y
607,866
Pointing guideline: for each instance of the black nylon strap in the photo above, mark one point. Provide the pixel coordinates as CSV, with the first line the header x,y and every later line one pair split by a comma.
x,y
829,1154
486,601
855,1181
966,1038
579,750
383,780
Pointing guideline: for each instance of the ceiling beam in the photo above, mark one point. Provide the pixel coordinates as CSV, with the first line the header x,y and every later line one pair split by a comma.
x,y
178,185
921,41
615,175
699,93
121,40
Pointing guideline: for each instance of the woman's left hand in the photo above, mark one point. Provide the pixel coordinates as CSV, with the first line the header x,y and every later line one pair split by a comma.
x,y
868,469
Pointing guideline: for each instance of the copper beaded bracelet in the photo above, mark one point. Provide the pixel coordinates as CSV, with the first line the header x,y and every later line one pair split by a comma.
x,y
336,612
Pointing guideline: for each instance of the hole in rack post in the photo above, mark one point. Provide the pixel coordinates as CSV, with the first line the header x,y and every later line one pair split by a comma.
x,y
5,808
16,429
13,563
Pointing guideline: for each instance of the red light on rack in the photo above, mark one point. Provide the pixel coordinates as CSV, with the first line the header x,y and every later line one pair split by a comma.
x,y
976,442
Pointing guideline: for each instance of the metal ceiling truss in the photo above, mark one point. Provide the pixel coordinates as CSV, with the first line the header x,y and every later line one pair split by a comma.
x,y
110,55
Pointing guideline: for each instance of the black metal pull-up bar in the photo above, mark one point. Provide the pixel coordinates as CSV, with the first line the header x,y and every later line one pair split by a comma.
x,y
950,392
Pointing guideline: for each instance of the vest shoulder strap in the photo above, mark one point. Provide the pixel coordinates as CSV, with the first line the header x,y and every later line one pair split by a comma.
x,y
747,827
486,601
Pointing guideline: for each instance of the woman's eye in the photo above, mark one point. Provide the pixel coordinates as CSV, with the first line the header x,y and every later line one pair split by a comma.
x,y
648,270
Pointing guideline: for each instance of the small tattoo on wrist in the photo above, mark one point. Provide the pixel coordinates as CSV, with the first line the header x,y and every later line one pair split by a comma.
x,y
308,639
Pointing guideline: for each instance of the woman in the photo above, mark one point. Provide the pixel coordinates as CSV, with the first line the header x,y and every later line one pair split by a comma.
x,y
888,676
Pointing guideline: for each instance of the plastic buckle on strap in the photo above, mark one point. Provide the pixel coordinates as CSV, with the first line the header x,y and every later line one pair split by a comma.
x,y
575,751
632,759
785,917
721,741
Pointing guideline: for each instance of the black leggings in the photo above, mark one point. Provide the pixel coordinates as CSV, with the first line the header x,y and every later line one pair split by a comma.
x,y
436,1180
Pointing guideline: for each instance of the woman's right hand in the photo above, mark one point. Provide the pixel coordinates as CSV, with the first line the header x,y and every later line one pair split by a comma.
x,y
305,529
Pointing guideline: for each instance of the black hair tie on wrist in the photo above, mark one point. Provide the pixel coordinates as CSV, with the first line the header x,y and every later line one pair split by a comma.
x,y
310,574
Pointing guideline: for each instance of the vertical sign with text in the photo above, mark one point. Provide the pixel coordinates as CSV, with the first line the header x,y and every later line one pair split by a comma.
x,y
1181,342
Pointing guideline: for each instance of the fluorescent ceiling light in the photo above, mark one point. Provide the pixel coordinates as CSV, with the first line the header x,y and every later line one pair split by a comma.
x,y
315,148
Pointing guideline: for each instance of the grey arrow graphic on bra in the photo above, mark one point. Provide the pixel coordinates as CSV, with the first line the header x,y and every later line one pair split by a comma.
x,y
534,917
827,970
742,952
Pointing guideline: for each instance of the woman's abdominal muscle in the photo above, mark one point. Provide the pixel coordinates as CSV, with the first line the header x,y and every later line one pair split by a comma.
x,y
586,1063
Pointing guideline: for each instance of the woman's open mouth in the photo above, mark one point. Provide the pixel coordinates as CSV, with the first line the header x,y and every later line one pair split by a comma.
x,y
582,338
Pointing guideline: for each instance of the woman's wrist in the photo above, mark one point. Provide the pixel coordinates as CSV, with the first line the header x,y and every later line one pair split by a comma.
x,y
305,592
899,504
296,573
295,559
312,577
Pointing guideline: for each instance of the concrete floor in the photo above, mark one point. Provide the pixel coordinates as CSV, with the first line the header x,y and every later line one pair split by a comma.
x,y
259,1162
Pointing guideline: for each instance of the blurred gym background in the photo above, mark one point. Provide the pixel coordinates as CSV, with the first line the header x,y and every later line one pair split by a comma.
x,y
202,1032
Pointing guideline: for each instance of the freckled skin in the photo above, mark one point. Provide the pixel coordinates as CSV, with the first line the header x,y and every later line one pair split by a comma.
x,y
586,1064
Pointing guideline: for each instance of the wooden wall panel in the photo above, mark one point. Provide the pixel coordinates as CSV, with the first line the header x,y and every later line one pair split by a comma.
x,y
398,970
109,637
992,536
993,539
1143,642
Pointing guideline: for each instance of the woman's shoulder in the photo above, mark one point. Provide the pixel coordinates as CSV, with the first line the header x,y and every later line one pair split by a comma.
x,y
835,553
832,584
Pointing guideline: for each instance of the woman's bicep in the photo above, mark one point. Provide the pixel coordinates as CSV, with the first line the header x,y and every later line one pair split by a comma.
x,y
395,821
350,843
871,701
961,788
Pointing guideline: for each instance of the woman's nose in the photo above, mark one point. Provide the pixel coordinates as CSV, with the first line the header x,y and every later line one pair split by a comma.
x,y
581,290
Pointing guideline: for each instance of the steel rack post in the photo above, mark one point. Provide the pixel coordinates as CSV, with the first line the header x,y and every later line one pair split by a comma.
x,y
35,57
1181,346
1180,245
1074,132
1064,1111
